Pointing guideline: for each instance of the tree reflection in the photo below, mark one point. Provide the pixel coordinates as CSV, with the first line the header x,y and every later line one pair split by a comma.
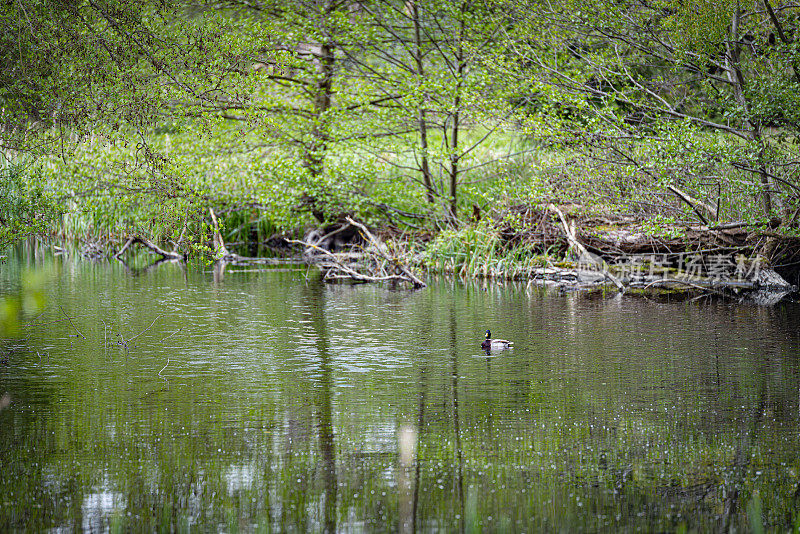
x,y
323,394
456,425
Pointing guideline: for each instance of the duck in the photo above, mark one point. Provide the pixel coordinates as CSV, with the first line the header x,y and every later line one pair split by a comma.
x,y
490,343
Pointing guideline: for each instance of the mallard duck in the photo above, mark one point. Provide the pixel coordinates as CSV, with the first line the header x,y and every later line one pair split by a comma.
x,y
490,343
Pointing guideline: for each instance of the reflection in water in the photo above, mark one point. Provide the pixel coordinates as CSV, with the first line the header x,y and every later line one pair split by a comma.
x,y
459,477
417,436
322,397
407,458
295,406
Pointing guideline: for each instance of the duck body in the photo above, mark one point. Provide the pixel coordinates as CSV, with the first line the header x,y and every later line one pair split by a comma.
x,y
496,344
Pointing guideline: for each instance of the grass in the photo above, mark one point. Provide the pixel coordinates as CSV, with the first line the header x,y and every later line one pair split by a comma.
x,y
477,251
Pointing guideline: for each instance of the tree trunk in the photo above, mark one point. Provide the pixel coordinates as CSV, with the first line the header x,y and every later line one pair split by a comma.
x,y
422,122
736,78
455,127
315,150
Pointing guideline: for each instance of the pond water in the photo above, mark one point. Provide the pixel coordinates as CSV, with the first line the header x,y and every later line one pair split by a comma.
x,y
269,401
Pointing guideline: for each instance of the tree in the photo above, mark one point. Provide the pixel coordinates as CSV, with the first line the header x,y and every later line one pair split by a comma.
x,y
72,72
661,71
289,91
427,70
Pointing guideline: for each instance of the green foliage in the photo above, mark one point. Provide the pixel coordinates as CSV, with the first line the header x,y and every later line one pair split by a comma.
x,y
283,115
699,94
25,207
660,226
701,25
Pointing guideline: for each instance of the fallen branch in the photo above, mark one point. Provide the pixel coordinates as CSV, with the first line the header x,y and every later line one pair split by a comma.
x,y
165,366
696,205
725,226
151,246
333,233
146,329
341,266
337,269
583,253
384,253
70,322
172,334
56,321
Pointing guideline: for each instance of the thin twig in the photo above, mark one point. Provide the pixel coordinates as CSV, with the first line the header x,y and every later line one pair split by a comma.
x,y
146,329
162,369
56,321
70,322
35,318
105,335
172,334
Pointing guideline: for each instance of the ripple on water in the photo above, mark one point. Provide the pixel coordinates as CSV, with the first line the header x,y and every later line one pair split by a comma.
x,y
596,391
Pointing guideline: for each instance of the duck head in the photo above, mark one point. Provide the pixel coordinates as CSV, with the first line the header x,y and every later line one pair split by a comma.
x,y
488,334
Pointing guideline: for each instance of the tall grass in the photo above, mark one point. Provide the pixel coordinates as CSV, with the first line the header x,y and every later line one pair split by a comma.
x,y
478,251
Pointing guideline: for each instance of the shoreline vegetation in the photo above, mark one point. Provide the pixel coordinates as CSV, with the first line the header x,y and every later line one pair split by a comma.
x,y
550,246
625,145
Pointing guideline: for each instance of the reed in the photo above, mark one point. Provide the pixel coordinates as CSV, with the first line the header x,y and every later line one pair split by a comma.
x,y
478,251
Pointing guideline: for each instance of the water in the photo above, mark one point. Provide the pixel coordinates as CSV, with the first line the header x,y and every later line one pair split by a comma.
x,y
268,401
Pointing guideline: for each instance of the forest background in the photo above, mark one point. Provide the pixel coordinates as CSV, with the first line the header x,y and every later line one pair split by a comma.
x,y
449,124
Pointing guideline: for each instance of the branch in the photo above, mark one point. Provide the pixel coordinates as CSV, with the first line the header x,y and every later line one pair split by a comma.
x,y
582,250
149,245
70,322
381,248
219,243
695,204
146,329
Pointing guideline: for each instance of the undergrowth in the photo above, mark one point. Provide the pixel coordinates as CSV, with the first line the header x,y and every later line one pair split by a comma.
x,y
478,251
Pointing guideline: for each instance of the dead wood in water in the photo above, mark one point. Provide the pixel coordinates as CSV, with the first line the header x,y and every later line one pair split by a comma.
x,y
336,265
584,254
626,251
71,323
150,246
375,264
393,261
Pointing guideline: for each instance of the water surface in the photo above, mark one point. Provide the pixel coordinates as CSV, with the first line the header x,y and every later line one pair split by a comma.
x,y
269,401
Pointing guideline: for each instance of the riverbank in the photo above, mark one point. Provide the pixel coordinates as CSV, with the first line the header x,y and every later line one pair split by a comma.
x,y
561,246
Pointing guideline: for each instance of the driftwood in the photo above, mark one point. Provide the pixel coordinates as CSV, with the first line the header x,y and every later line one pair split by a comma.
x,y
584,254
150,246
381,265
338,268
384,253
